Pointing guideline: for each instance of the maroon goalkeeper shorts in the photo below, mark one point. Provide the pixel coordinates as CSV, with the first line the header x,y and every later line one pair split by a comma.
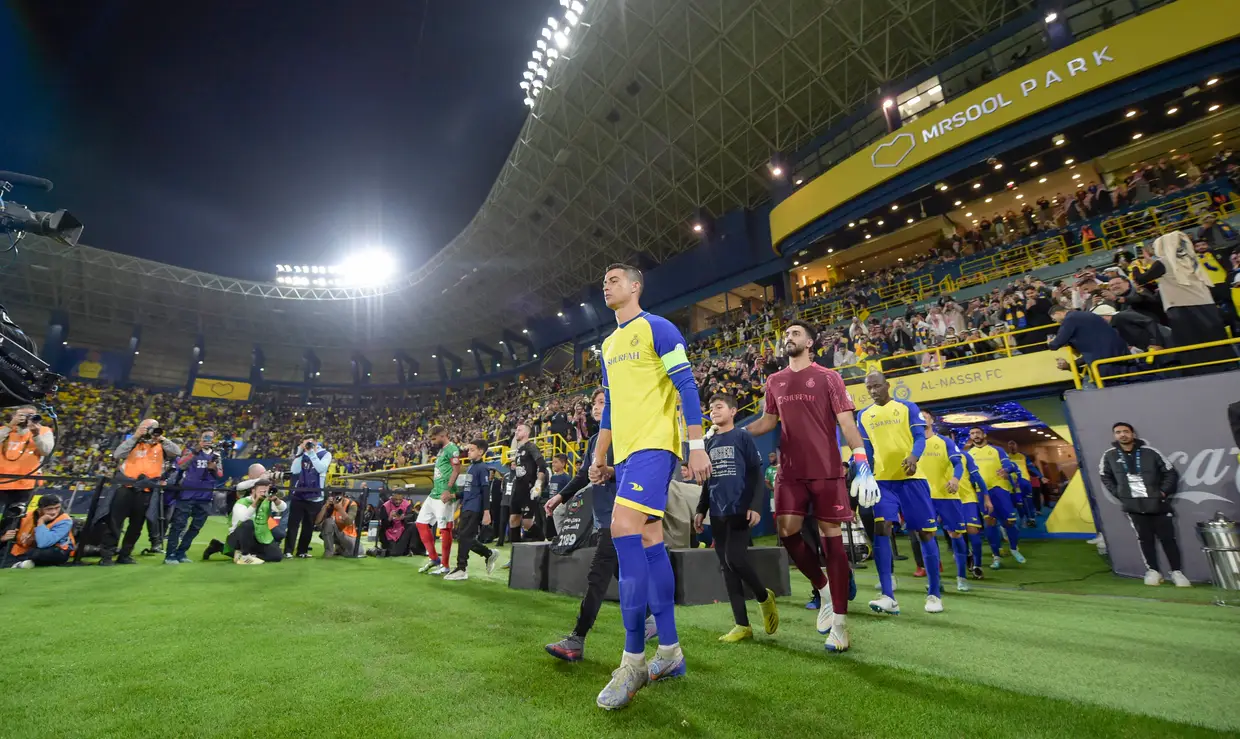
x,y
828,496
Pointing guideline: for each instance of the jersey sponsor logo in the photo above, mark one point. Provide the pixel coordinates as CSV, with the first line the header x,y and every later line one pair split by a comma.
x,y
797,397
636,487
625,357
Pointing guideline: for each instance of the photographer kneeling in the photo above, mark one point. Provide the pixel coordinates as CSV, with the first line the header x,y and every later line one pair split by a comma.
x,y
253,535
44,537
339,529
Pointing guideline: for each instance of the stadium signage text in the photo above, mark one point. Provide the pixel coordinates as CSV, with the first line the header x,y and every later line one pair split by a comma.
x,y
1028,86
997,375
1147,41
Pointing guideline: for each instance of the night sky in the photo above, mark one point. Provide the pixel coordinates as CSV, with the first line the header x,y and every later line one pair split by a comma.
x,y
229,135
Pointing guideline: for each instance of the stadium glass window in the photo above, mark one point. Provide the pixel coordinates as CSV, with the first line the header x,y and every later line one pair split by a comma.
x,y
923,98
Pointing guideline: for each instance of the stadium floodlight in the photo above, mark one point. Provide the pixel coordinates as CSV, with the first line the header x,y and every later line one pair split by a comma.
x,y
525,85
553,24
541,45
304,268
888,103
525,330
552,55
532,65
572,18
529,102
538,83
528,74
541,72
546,33
1052,17
561,39
368,267
576,7
536,91
538,55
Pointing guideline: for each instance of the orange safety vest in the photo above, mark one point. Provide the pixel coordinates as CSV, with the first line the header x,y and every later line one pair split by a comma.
x,y
19,457
351,529
144,459
27,531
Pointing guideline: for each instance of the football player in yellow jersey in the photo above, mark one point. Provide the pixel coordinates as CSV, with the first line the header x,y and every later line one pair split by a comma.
x,y
971,504
997,473
943,463
894,435
650,397
1024,501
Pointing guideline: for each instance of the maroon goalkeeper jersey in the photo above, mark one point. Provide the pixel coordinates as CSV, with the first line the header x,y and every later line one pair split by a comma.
x,y
806,403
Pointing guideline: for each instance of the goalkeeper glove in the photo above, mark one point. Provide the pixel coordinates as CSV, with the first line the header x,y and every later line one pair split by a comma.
x,y
864,486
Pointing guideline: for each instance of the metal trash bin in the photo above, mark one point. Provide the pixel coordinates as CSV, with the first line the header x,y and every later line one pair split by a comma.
x,y
1220,540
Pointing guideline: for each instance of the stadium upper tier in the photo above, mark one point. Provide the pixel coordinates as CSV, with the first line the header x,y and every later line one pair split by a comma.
x,y
657,111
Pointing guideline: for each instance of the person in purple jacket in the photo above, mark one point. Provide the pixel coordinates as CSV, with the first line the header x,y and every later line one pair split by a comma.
x,y
202,469
308,473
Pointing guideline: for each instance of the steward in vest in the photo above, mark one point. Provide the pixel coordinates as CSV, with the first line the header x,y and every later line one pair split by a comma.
x,y
142,459
23,445
44,537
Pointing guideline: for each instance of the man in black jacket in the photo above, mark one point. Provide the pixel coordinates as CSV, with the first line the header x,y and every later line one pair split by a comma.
x,y
604,565
1143,481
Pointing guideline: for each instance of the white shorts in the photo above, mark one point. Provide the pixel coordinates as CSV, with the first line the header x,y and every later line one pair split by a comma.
x,y
436,512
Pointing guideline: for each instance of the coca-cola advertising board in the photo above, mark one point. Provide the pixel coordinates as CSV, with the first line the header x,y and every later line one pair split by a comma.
x,y
1186,420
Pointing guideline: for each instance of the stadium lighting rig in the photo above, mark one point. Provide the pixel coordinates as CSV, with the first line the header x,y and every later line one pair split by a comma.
x,y
367,268
554,40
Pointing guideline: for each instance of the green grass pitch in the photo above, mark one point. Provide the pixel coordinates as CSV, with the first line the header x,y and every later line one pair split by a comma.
x,y
313,648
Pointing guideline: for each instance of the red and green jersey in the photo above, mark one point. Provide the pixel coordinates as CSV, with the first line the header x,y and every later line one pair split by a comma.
x,y
448,456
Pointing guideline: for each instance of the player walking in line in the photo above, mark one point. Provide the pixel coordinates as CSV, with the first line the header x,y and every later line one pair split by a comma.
x,y
997,472
733,497
811,402
603,566
647,375
439,508
894,434
1024,500
944,465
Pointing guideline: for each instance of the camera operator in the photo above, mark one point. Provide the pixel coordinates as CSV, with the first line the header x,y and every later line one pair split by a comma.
x,y
203,468
259,501
337,524
23,445
142,458
308,472
43,538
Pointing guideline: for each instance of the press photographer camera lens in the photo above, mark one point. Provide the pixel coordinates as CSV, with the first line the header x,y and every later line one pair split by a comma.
x,y
155,432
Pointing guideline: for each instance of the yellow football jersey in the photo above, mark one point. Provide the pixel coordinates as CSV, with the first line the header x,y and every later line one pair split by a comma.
x,y
639,360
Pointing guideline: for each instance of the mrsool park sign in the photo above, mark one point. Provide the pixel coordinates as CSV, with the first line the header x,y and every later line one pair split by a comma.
x,y
997,375
1144,42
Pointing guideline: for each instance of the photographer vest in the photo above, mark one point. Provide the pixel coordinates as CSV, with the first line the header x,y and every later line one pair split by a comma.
x,y
19,457
144,459
26,530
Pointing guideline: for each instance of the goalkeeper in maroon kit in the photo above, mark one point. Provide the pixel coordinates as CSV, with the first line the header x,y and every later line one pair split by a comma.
x,y
811,402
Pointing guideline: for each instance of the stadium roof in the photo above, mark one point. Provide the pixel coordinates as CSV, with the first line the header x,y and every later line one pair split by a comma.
x,y
658,109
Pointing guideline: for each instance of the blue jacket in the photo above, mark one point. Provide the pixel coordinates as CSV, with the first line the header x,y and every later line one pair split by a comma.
x,y
604,495
474,487
735,483
309,470
1092,337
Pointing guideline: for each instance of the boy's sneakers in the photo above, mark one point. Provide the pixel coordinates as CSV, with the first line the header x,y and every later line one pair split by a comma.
x,y
456,575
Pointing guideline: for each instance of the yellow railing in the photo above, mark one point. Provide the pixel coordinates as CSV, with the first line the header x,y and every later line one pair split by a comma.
x,y
1007,347
1099,380
549,444
1152,222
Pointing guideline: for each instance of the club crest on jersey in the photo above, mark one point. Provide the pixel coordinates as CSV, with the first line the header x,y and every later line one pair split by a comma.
x,y
635,341
809,382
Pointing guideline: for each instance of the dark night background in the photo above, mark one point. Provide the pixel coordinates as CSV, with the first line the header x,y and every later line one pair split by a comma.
x,y
226,135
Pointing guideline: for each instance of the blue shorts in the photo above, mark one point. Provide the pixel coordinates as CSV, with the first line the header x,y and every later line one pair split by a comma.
x,y
1026,490
1003,508
910,497
972,514
951,514
642,480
